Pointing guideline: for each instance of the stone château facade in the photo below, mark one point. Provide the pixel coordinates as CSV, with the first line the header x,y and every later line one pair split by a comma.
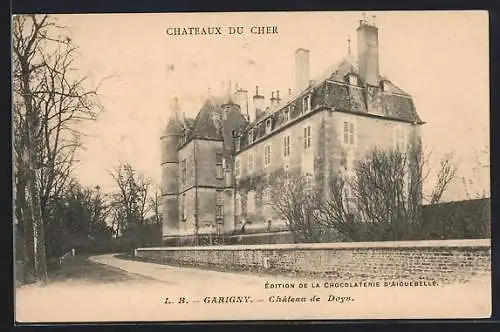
x,y
215,168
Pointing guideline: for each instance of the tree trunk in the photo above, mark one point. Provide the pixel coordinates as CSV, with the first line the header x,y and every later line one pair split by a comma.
x,y
28,245
38,225
25,225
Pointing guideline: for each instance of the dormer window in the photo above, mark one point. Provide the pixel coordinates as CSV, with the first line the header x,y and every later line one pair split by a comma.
x,y
237,144
269,125
286,113
384,85
250,136
306,103
183,135
217,119
352,79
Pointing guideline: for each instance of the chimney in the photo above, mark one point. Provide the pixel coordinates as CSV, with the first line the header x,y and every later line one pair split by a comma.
x,y
258,104
273,100
368,52
301,69
278,99
241,97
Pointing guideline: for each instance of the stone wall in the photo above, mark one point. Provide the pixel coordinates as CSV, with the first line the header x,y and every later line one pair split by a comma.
x,y
443,261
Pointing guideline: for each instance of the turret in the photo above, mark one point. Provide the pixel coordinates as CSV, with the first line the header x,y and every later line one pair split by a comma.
x,y
170,171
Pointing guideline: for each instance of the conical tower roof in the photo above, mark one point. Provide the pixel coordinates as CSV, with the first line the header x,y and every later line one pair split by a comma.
x,y
229,97
174,125
172,128
207,123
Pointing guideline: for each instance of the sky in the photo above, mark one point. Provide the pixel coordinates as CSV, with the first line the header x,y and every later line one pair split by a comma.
x,y
440,58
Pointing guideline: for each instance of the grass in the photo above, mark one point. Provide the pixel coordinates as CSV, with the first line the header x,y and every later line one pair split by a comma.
x,y
80,269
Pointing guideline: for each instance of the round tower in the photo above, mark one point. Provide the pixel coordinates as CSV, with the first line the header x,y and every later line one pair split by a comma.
x,y
170,176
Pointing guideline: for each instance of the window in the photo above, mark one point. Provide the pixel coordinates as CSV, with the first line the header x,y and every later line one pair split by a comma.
x,y
267,154
307,137
348,133
219,169
269,125
266,196
183,207
384,85
250,136
286,146
349,198
306,104
243,206
353,79
219,207
308,180
250,161
183,135
250,202
286,116
183,171
237,168
351,133
237,205
220,172
399,141
237,144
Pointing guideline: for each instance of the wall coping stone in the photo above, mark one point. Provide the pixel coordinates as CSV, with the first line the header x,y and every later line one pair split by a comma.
x,y
474,243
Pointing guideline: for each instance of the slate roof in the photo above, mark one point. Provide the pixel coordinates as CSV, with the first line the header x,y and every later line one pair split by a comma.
x,y
174,126
396,103
209,123
205,122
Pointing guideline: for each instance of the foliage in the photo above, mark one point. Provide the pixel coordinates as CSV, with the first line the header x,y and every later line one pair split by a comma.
x,y
79,215
49,100
469,219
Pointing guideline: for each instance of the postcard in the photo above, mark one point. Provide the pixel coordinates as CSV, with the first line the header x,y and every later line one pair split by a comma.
x,y
251,166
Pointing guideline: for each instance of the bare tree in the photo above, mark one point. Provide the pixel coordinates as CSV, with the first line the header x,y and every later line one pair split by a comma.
x,y
381,200
49,99
337,211
476,184
154,205
296,199
447,172
130,200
